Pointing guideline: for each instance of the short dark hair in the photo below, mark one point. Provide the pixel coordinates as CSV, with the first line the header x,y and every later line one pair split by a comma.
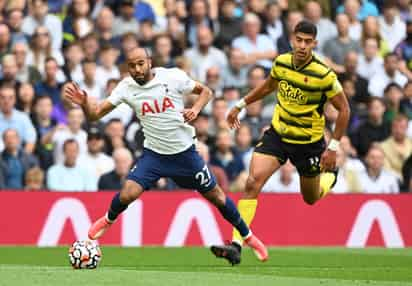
x,y
70,141
306,27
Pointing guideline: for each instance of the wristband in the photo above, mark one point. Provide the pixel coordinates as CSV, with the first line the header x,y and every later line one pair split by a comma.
x,y
241,104
333,145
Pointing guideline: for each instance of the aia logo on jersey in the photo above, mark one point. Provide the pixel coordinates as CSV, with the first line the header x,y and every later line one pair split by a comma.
x,y
156,107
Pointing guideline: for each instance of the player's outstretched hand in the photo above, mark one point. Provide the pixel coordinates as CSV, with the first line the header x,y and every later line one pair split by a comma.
x,y
232,118
74,94
328,160
190,114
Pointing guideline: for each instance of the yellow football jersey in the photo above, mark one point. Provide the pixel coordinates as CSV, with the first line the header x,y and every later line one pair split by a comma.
x,y
302,93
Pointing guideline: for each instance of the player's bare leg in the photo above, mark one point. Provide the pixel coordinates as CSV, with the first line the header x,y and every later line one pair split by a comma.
x,y
130,192
315,188
261,168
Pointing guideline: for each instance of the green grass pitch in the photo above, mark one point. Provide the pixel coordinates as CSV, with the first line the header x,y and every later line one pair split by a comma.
x,y
20,266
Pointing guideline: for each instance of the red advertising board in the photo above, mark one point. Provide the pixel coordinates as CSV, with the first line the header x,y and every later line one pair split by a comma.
x,y
184,218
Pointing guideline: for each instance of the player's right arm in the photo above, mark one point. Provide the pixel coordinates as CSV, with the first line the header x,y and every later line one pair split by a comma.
x,y
267,87
92,111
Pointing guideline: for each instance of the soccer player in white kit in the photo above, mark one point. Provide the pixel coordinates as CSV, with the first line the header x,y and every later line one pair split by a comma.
x,y
156,95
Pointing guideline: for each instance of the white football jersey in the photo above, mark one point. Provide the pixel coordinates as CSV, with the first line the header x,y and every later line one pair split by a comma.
x,y
158,105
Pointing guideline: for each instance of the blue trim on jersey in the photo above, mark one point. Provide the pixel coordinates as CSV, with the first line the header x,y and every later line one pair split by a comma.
x,y
186,168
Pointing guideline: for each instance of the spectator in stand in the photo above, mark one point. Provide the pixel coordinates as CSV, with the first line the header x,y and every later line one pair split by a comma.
x,y
367,8
80,9
127,42
98,162
336,49
34,179
204,55
25,98
125,22
50,85
114,180
406,104
41,49
235,73
198,17
69,176
73,55
375,129
361,84
114,133
326,28
104,27
176,31
389,74
11,118
39,16
218,119
107,68
91,46
225,156
405,9
201,125
376,179
358,109
25,72
258,48
14,162
404,51
61,133
392,96
15,22
370,29
230,26
398,146
162,54
219,172
351,161
214,80
255,120
352,9
299,5
392,28
369,62
5,40
232,96
284,181
9,72
146,35
348,180
273,21
44,123
92,84
243,140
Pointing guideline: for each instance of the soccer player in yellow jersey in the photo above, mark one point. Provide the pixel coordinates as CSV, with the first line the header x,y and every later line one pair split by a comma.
x,y
304,84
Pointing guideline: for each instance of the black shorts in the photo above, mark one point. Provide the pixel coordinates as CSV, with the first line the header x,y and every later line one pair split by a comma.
x,y
305,157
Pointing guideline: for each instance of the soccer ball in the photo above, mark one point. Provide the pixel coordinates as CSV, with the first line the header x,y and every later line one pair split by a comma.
x,y
84,254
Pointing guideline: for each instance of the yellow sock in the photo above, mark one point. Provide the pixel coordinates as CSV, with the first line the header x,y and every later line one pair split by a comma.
x,y
326,181
247,210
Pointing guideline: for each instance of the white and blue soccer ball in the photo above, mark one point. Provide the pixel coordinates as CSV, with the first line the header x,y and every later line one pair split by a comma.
x,y
85,254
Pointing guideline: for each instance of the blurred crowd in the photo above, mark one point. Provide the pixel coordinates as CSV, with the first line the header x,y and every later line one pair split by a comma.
x,y
229,45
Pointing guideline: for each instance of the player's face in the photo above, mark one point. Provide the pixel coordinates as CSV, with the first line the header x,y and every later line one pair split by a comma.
x,y
139,69
303,44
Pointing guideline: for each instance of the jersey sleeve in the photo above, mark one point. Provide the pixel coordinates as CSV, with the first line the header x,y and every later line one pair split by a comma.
x,y
117,95
185,84
334,86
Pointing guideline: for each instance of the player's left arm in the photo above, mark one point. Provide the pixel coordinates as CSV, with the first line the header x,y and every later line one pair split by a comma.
x,y
340,102
205,95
